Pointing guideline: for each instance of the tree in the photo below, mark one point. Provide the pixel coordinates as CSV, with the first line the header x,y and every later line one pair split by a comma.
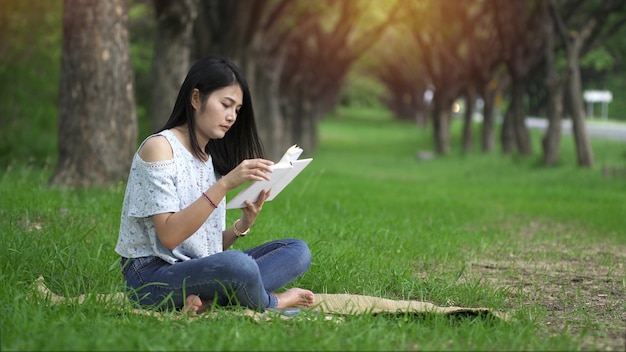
x,y
482,57
519,30
582,26
172,54
295,56
440,43
554,85
316,70
97,125
398,67
451,46
249,32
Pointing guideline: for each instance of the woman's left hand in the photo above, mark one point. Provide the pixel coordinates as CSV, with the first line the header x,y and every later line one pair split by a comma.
x,y
252,210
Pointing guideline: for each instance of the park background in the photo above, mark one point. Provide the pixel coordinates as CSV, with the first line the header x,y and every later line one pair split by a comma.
x,y
406,200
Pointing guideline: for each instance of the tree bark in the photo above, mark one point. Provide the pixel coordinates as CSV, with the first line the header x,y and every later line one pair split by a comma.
x,y
574,42
507,134
554,87
172,54
264,83
522,135
470,98
97,125
552,137
584,154
441,124
517,27
487,132
245,31
308,79
279,45
302,126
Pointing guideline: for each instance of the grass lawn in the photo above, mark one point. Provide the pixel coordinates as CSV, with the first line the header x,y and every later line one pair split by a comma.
x,y
545,245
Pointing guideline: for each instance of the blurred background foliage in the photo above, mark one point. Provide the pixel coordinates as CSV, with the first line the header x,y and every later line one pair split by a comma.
x,y
31,44
30,50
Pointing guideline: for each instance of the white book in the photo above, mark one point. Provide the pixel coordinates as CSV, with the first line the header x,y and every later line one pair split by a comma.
x,y
283,172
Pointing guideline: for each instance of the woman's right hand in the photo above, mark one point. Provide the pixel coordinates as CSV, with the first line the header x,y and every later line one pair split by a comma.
x,y
248,170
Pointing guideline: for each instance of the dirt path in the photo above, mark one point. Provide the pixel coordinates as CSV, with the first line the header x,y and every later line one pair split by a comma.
x,y
581,288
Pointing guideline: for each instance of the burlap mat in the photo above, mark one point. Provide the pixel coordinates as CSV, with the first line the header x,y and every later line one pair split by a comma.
x,y
329,304
358,304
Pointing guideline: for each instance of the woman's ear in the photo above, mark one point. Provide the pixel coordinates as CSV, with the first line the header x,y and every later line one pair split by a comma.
x,y
195,99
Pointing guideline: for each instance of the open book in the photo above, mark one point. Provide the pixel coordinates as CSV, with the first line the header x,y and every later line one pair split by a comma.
x,y
283,172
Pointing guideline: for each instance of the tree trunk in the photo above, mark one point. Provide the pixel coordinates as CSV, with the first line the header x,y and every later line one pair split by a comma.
x,y
470,99
301,116
234,31
97,125
574,41
507,134
554,87
552,137
421,114
522,135
441,125
487,136
300,122
172,53
264,86
584,153
312,128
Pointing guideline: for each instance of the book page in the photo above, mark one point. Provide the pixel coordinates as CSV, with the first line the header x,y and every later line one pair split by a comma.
x,y
282,174
278,186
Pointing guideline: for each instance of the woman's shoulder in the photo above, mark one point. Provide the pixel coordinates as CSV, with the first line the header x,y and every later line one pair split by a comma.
x,y
156,148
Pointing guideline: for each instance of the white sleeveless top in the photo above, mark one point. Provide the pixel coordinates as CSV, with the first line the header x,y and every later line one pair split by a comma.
x,y
165,187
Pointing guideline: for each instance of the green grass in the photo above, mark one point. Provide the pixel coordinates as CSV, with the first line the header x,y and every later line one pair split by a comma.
x,y
378,221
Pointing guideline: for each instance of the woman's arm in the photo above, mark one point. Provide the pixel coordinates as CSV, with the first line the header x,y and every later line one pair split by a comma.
x,y
174,228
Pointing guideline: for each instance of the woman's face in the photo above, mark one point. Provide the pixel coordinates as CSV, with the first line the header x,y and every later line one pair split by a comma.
x,y
217,114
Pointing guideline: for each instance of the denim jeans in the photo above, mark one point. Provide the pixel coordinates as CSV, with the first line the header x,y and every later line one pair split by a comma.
x,y
232,277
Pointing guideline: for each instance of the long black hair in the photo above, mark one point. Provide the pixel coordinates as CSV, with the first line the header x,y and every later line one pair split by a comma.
x,y
242,140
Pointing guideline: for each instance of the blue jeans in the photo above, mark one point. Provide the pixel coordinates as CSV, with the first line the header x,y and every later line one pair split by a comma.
x,y
232,277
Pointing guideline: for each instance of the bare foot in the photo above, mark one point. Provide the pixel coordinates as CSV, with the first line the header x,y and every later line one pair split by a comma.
x,y
194,305
295,297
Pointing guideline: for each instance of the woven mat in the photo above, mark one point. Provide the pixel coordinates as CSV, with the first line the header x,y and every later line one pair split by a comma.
x,y
329,304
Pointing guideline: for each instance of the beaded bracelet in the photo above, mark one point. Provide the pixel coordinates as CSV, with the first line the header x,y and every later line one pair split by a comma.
x,y
209,199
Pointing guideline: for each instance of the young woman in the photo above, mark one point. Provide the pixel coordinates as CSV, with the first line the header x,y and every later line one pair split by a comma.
x,y
173,238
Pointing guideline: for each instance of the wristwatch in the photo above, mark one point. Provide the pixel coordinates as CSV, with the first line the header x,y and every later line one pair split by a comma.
x,y
237,232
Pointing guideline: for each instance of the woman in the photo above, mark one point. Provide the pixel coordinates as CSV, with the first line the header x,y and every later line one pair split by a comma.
x,y
173,238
